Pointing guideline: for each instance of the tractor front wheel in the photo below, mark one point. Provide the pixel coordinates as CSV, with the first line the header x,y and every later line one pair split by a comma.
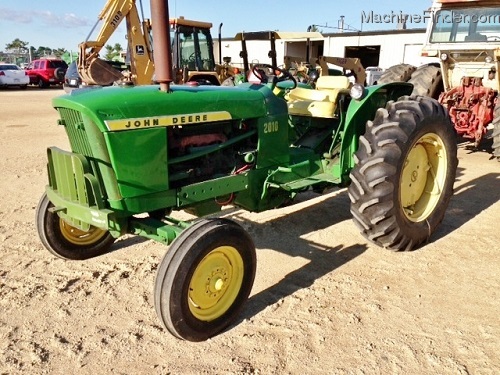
x,y
404,174
66,241
204,279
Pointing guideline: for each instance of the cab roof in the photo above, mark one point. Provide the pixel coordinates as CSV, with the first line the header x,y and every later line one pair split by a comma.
x,y
266,35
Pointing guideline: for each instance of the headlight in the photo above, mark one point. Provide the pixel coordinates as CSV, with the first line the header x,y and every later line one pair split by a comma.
x,y
488,59
357,91
444,57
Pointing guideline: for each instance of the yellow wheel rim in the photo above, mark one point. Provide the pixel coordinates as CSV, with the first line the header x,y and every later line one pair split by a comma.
x,y
80,237
216,283
423,177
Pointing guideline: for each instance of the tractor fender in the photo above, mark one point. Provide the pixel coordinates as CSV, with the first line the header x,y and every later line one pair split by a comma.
x,y
362,110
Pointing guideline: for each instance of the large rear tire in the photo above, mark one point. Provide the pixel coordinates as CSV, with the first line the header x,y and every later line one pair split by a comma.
x,y
204,279
404,174
66,241
427,81
396,73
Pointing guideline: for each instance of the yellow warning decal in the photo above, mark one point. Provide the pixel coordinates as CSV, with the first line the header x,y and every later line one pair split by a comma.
x,y
173,120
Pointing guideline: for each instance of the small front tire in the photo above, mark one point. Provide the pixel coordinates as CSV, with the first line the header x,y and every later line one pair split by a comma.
x,y
66,241
204,279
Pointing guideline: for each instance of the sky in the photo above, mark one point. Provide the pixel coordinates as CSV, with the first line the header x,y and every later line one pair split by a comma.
x,y
66,23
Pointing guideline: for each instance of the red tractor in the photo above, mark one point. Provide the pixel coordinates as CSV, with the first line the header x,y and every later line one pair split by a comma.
x,y
465,36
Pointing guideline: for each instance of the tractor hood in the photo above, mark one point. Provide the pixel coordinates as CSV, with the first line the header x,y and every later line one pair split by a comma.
x,y
117,108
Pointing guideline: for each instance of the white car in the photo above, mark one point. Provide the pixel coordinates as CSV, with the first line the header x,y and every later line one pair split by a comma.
x,y
12,75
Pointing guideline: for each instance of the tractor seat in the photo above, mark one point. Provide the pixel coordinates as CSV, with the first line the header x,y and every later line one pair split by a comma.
x,y
320,102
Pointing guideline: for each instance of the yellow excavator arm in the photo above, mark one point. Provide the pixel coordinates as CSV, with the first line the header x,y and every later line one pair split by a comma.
x,y
348,63
95,71
298,63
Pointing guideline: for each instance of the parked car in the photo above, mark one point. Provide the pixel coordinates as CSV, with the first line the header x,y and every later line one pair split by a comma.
x,y
46,72
12,75
72,79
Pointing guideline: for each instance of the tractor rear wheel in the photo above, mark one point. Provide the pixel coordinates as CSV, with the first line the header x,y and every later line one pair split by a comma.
x,y
396,73
204,279
66,241
427,81
496,131
404,174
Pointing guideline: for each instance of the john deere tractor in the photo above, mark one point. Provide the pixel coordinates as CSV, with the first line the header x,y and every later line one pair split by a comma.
x,y
137,153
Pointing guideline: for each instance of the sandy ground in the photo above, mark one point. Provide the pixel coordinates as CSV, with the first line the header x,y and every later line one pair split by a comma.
x,y
324,302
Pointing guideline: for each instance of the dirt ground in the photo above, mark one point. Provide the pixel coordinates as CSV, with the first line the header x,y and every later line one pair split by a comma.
x,y
324,301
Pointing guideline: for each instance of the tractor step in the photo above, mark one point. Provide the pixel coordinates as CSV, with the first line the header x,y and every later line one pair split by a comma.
x,y
309,181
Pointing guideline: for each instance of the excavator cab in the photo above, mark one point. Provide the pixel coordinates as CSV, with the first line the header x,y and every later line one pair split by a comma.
x,y
192,52
194,48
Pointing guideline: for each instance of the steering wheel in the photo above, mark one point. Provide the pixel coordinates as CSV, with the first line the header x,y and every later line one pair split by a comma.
x,y
265,71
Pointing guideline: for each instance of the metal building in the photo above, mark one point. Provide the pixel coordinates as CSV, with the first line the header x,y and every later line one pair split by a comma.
x,y
375,48
378,48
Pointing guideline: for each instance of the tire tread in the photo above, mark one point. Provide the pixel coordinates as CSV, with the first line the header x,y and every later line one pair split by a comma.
x,y
376,212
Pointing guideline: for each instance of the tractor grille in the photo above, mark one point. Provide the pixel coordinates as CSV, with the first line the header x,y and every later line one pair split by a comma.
x,y
75,130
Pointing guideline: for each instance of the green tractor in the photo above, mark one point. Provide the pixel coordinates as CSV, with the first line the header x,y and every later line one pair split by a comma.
x,y
137,153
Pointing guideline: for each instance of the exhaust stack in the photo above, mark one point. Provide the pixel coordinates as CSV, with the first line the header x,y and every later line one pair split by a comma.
x,y
161,43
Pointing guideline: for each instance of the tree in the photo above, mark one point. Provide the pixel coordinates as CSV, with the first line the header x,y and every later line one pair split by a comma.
x,y
43,51
59,51
314,28
112,51
17,46
19,50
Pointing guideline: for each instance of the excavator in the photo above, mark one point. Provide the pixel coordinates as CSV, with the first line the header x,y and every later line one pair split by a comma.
x,y
319,66
352,67
192,49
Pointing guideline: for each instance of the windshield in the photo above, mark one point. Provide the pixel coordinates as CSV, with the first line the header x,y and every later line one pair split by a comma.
x,y
54,64
466,25
195,48
9,67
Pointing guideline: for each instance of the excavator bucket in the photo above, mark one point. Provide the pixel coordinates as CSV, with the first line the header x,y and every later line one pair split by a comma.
x,y
100,73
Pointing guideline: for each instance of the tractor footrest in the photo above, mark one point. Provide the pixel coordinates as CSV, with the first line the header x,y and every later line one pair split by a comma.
x,y
309,181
